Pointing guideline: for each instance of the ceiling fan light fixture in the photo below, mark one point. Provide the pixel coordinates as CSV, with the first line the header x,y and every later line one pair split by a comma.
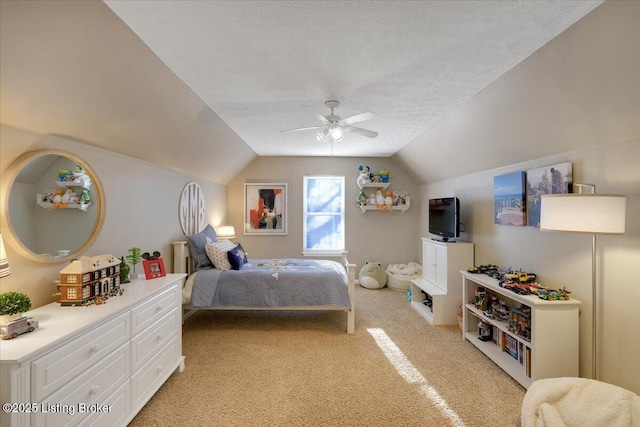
x,y
337,134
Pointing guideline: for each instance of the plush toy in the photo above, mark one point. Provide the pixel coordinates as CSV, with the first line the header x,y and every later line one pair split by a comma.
x,y
85,200
361,200
388,201
379,199
66,197
58,201
372,275
364,177
372,200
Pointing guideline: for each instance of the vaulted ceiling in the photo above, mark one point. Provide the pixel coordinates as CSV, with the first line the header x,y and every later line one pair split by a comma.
x,y
206,86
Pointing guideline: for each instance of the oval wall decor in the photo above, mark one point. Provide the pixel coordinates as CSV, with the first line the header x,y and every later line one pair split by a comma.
x,y
191,209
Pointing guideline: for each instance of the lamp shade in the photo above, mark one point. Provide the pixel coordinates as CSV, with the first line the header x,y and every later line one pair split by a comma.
x,y
4,262
583,213
226,232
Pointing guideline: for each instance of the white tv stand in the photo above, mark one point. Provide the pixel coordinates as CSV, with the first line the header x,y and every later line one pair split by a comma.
x,y
441,265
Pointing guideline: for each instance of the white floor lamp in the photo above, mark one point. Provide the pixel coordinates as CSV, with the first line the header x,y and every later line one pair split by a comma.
x,y
585,214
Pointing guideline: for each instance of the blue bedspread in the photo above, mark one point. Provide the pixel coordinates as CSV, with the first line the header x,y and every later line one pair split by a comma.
x,y
273,283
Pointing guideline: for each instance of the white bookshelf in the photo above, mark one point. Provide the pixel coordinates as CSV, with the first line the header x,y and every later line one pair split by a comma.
x,y
552,350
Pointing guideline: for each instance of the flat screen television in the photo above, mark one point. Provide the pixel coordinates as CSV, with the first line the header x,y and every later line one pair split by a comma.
x,y
444,217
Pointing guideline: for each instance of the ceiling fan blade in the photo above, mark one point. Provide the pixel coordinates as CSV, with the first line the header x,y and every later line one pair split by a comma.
x,y
367,115
364,132
319,116
298,129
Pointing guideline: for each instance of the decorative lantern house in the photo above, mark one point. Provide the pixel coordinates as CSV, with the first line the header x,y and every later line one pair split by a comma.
x,y
89,280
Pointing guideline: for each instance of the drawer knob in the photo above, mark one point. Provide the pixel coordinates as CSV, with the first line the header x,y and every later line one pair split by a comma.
x,y
159,308
94,348
160,368
159,337
94,390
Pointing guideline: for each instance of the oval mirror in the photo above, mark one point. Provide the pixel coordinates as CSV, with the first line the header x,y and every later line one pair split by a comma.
x,y
53,206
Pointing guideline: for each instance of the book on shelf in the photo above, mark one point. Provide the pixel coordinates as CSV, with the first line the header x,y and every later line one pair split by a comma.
x,y
528,362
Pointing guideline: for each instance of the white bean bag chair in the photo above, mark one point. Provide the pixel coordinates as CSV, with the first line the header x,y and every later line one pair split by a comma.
x,y
400,275
579,402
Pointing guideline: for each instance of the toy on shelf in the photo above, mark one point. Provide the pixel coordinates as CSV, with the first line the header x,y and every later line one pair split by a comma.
x,y
89,280
364,177
520,321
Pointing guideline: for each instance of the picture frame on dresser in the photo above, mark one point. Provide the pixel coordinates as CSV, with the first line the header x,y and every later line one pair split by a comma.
x,y
154,268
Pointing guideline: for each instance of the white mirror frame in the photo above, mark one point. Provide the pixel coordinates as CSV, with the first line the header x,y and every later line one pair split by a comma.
x,y
8,232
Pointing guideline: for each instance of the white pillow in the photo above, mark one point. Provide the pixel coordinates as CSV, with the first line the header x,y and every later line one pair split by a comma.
x,y
217,253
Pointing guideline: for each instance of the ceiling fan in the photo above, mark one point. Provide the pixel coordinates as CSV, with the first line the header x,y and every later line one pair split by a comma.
x,y
333,127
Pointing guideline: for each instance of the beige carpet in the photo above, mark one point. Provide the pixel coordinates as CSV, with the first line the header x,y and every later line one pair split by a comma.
x,y
303,369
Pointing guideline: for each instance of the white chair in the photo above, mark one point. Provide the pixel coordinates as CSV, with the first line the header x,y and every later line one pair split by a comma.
x,y
569,402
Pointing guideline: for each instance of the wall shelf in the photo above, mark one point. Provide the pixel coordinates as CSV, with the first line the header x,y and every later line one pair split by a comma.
x,y
374,185
401,208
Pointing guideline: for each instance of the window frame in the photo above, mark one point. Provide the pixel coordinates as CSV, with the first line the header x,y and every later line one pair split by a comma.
x,y
305,214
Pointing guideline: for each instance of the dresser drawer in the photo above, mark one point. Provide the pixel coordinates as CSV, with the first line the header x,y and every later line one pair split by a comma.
x,y
153,374
54,370
146,313
115,407
73,402
146,344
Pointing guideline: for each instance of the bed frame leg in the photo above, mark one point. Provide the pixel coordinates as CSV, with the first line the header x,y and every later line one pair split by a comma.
x,y
351,321
187,313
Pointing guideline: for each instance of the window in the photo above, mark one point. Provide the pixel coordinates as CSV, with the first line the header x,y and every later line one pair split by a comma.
x,y
72,293
323,222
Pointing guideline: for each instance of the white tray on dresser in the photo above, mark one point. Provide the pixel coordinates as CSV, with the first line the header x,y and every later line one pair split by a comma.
x,y
94,365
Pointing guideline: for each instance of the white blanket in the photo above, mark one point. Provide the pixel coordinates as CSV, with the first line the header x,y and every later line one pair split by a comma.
x,y
579,402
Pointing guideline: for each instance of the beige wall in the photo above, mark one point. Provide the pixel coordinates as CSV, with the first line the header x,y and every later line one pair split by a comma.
x,y
141,207
578,98
376,235
565,259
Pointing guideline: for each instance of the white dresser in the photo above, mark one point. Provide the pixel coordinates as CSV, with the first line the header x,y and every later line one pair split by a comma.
x,y
96,365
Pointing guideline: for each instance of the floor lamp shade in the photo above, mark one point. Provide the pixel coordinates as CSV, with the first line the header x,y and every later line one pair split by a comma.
x,y
4,262
583,213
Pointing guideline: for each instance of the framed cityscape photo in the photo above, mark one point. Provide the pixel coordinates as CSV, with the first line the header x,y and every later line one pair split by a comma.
x,y
555,179
509,207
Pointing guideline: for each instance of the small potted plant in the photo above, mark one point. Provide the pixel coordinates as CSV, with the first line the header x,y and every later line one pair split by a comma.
x,y
134,257
384,175
12,305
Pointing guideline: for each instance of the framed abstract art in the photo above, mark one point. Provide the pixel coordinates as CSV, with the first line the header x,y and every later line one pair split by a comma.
x,y
265,208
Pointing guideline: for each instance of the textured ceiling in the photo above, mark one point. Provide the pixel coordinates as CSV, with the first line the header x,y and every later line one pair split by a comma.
x,y
255,64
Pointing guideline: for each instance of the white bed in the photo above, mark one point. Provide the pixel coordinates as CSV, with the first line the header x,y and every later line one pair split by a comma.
x,y
182,264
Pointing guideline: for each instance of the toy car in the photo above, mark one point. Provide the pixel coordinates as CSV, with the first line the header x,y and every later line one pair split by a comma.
x,y
17,327
521,276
